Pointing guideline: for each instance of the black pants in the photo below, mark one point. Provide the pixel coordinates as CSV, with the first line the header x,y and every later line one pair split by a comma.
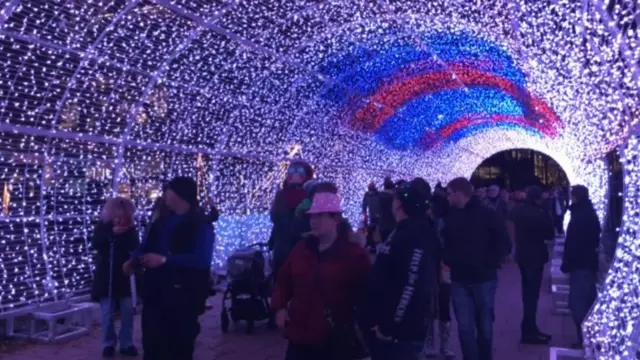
x,y
531,276
444,302
169,330
558,221
308,352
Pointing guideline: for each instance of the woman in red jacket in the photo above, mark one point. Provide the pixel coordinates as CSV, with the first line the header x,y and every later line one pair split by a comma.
x,y
324,271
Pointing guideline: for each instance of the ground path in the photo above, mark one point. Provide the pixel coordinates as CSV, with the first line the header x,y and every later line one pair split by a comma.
x,y
268,345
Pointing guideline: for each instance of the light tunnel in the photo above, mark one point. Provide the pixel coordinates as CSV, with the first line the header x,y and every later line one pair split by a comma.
x,y
103,97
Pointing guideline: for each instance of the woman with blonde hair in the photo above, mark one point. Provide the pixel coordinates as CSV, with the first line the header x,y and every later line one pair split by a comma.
x,y
114,238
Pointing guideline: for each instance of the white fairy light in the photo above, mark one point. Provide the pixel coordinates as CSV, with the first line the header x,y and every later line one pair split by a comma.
x,y
102,96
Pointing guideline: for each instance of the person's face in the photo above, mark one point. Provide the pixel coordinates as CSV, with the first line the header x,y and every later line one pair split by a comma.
x,y
322,224
456,199
173,201
296,175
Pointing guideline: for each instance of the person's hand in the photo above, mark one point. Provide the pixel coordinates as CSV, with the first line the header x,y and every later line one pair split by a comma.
x,y
379,335
152,260
128,267
282,318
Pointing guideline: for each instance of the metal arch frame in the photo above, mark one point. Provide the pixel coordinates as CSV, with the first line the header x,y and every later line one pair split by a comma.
x,y
7,11
155,78
133,112
85,58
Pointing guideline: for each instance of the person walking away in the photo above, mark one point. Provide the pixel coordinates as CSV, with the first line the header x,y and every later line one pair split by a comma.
x,y
399,293
533,228
371,212
387,222
317,286
580,258
438,212
114,239
476,243
558,209
176,256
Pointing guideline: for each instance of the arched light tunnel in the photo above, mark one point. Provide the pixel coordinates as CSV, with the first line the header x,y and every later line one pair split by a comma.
x,y
102,96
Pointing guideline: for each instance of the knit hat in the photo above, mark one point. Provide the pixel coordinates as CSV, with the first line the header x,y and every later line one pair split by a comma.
x,y
186,188
413,200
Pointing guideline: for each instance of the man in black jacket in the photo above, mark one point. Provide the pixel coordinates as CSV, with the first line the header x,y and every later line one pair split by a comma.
x,y
386,222
580,258
398,295
476,243
176,256
533,228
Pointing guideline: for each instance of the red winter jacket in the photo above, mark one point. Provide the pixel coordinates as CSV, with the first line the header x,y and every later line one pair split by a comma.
x,y
342,270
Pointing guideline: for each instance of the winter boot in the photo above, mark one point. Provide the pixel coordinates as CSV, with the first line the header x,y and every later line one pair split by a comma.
x,y
445,335
429,350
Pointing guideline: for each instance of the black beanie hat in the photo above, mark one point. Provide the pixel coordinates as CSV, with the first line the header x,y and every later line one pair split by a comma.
x,y
413,200
186,188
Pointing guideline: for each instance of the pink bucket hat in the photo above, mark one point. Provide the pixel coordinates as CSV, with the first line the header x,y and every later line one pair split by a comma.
x,y
325,203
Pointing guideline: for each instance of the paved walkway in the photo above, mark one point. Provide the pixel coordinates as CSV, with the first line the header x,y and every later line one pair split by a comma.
x,y
268,345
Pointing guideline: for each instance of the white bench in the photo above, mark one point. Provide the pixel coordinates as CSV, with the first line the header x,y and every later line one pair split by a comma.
x,y
10,318
556,353
62,320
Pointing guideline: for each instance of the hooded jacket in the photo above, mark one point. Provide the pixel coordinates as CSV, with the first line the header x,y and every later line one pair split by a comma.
x,y
398,293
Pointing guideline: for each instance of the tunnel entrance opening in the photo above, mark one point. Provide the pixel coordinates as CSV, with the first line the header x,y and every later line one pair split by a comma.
x,y
517,169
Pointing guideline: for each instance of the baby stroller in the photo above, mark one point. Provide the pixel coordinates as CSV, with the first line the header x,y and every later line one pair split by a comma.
x,y
248,288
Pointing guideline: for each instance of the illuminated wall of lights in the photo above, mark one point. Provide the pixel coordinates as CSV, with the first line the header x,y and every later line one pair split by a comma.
x,y
103,96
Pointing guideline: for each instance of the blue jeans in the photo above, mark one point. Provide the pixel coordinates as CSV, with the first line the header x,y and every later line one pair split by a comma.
x,y
473,305
582,294
387,350
125,336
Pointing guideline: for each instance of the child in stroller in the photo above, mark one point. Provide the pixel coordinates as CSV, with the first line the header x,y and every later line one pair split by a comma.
x,y
248,288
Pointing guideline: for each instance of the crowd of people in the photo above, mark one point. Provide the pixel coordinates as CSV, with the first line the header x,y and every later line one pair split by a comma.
x,y
385,291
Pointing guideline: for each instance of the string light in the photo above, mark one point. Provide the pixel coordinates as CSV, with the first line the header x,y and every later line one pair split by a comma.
x,y
119,96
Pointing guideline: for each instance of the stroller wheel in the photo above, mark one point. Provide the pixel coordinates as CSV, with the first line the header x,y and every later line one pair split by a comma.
x,y
224,321
250,326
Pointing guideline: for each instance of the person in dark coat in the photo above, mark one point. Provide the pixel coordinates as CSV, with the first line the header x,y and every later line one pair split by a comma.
x,y
399,294
580,258
283,212
476,244
533,227
558,208
114,239
386,222
176,256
